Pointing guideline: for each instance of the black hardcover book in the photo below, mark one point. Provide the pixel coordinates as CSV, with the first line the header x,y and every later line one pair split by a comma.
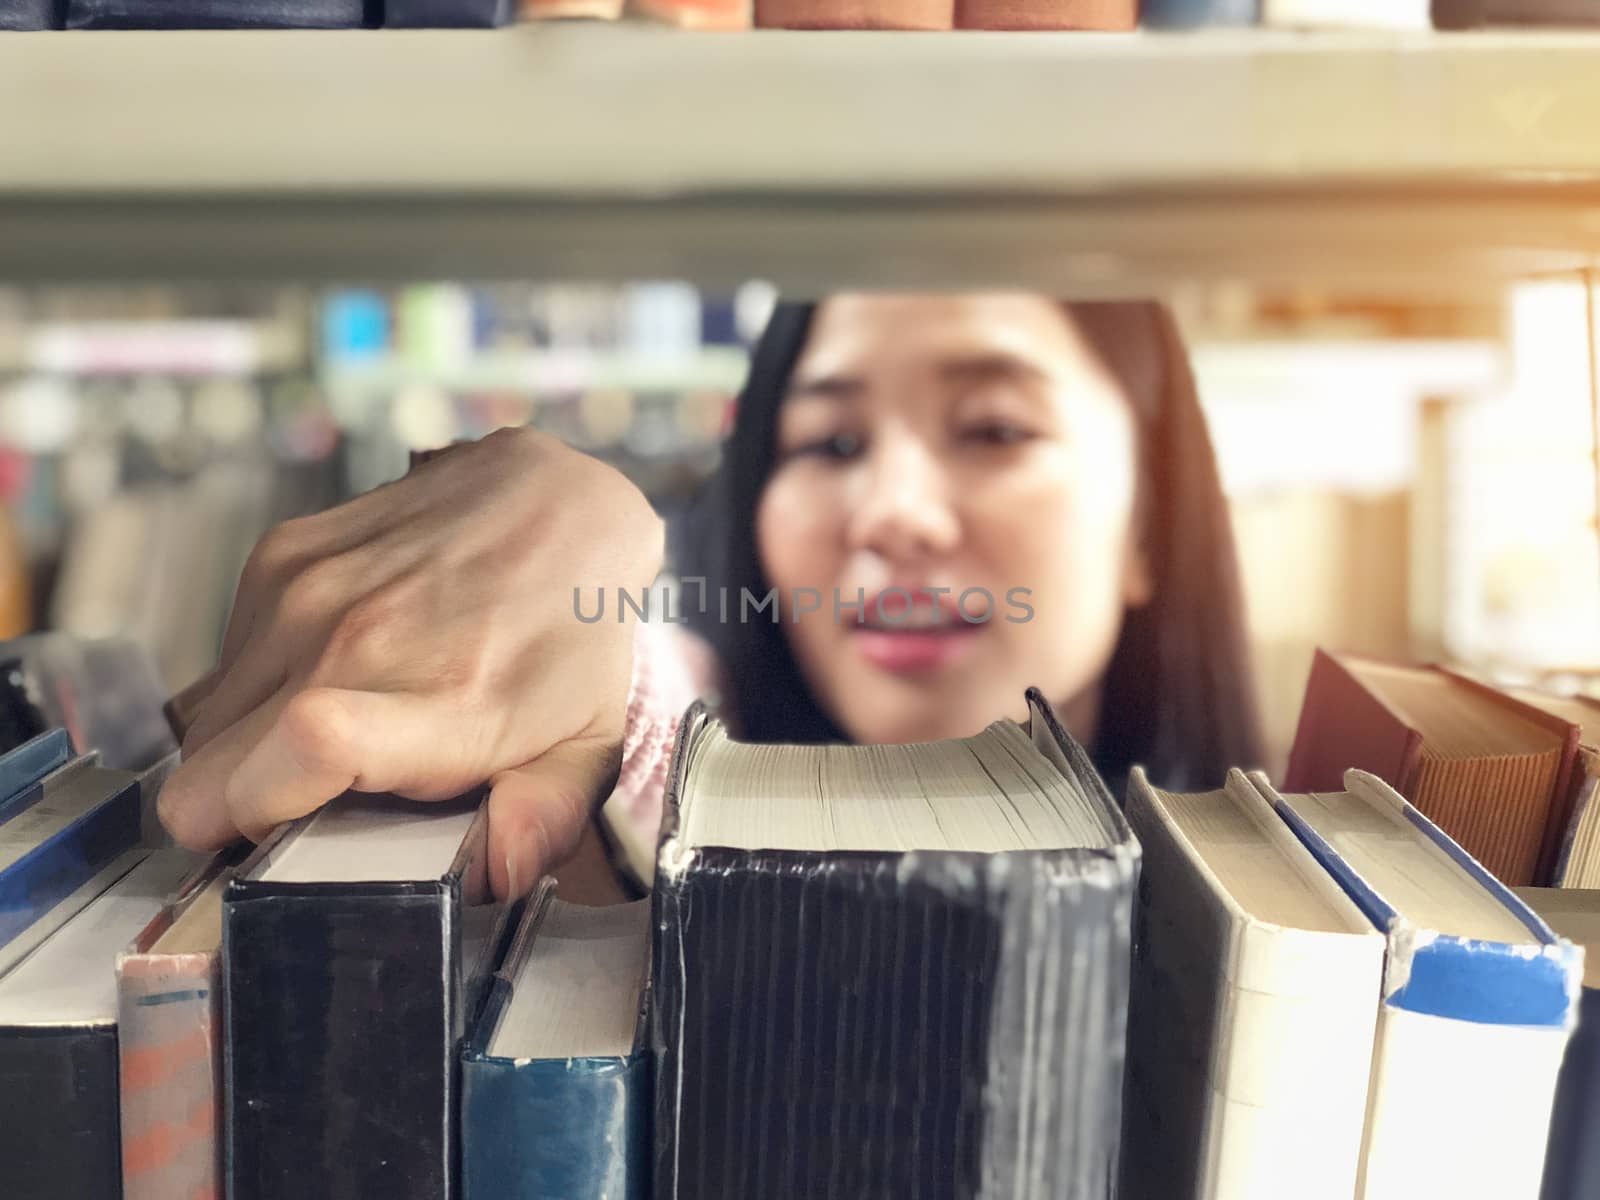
x,y
448,14
888,971
60,1136
350,963
1572,1157
222,14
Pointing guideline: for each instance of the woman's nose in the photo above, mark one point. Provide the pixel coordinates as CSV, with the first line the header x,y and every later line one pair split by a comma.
x,y
903,509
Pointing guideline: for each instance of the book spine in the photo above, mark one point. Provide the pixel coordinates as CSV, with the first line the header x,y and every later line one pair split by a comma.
x,y
169,1033
1099,15
58,1114
1347,14
22,769
222,14
1196,14
574,1128
448,14
26,15
855,14
341,1026
1572,1159
948,1025
56,868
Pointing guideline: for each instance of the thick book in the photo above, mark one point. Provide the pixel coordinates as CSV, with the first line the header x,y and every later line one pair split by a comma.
x,y
1105,16
1347,14
169,1032
23,768
58,1041
1197,14
1577,860
1492,772
347,982
1572,1156
448,14
58,836
222,14
890,970
1479,999
555,1078
1254,1004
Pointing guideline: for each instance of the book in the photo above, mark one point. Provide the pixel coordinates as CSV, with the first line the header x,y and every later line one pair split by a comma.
x,y
169,1028
1196,14
1251,1022
222,14
1577,861
1472,14
1572,1155
448,14
704,15
1347,14
348,977
28,15
1478,1000
855,14
913,956
58,1041
1099,15
1493,772
56,838
555,1077
23,768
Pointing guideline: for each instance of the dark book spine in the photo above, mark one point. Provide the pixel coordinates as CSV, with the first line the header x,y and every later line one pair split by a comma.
x,y
341,1028
945,1025
1572,1159
55,869
447,14
22,769
59,1132
222,14
577,1129
1196,14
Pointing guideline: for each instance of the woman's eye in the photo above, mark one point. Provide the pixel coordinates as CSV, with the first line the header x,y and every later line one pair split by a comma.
x,y
839,446
997,433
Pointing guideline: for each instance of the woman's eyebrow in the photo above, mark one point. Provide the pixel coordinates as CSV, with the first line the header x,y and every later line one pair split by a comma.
x,y
996,367
826,387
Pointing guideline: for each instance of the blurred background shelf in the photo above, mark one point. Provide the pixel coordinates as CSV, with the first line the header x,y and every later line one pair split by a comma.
x,y
1082,164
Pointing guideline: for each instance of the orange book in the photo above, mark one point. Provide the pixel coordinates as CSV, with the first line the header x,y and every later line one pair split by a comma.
x,y
1102,15
168,1031
1491,771
855,14
716,16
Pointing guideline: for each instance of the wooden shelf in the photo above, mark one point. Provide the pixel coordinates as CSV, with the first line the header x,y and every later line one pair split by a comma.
x,y
1084,164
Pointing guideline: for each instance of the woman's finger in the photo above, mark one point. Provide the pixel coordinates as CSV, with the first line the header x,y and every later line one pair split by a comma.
x,y
191,802
538,812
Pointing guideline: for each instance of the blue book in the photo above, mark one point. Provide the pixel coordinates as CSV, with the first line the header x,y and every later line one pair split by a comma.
x,y
1478,1003
1195,14
59,835
23,768
555,1078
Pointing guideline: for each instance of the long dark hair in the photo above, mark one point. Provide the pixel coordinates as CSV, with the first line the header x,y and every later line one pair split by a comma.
x,y
1177,694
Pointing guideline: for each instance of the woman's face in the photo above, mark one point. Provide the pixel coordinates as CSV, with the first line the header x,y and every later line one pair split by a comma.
x,y
971,444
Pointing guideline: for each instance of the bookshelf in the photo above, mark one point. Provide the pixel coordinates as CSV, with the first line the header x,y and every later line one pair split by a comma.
x,y
1079,164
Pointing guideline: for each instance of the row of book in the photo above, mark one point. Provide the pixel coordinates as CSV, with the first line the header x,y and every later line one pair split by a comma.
x,y
1107,15
944,970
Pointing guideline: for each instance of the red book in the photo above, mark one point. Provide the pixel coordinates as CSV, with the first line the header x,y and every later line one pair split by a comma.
x,y
1492,772
855,14
1104,15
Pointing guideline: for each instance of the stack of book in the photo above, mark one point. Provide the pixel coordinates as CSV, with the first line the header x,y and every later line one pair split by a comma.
x,y
948,969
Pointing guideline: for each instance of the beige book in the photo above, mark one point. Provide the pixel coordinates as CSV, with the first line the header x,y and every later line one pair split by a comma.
x,y
1577,863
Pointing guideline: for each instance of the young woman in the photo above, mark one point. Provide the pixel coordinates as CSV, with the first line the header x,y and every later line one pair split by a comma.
x,y
896,458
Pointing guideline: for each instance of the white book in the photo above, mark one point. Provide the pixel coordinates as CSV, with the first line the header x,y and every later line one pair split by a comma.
x,y
1479,999
1347,14
1254,1000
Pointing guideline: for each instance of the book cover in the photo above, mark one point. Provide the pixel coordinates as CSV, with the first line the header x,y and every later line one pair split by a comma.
x,y
1253,1010
573,1121
81,817
1479,999
222,14
169,1028
59,1123
930,1023
1107,16
1572,1156
22,770
345,1001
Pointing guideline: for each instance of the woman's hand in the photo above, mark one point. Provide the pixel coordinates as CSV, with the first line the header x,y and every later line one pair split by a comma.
x,y
422,639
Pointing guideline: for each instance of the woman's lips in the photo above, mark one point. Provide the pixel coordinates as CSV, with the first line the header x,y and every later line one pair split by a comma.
x,y
913,651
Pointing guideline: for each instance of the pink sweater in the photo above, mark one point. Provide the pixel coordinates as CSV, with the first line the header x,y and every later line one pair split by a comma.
x,y
671,668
